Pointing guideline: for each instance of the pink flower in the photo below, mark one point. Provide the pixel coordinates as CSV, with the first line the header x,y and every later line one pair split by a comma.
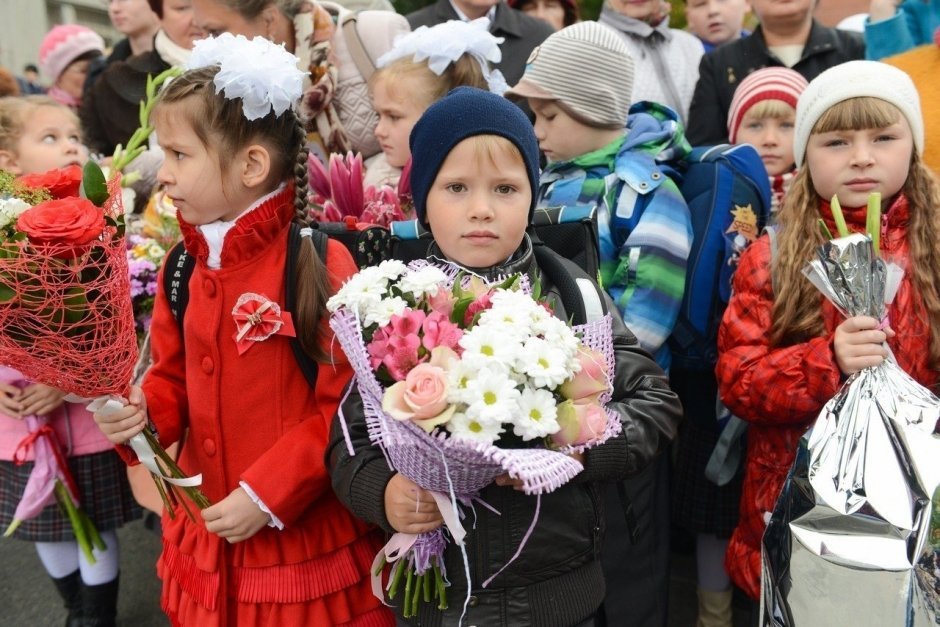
x,y
318,178
396,345
346,183
442,302
580,423
440,331
381,206
588,384
422,396
482,303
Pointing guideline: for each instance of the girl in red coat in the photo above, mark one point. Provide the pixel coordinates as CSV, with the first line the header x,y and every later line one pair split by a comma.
x,y
276,547
784,349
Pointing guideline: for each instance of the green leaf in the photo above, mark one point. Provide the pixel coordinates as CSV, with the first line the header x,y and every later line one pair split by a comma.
x,y
460,309
94,187
7,293
76,304
825,229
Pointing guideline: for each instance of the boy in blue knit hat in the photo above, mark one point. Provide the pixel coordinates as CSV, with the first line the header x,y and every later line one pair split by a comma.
x,y
474,176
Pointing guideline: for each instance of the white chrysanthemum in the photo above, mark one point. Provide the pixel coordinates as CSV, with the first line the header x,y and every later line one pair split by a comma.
x,y
426,280
537,415
544,364
390,269
463,427
558,334
459,374
490,343
491,396
358,294
10,210
380,312
506,321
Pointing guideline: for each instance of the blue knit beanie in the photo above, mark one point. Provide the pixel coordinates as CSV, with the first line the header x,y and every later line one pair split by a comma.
x,y
462,113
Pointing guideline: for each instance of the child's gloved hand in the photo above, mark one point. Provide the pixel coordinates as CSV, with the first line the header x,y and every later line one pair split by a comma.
x,y
38,399
410,509
236,517
10,402
121,425
860,344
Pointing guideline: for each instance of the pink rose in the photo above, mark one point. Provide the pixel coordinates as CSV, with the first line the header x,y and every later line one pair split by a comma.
x,y
580,423
440,331
421,397
588,384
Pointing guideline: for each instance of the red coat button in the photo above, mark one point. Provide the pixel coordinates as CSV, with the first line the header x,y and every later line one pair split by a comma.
x,y
209,288
208,445
207,365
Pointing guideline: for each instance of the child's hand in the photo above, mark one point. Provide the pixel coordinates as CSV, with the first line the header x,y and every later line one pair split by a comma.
x,y
121,425
410,509
38,399
880,10
859,344
236,517
10,402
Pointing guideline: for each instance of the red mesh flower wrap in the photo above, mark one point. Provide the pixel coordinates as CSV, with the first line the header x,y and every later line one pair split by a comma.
x,y
66,315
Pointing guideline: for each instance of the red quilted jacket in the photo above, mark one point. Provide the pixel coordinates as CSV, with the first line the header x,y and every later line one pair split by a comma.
x,y
781,390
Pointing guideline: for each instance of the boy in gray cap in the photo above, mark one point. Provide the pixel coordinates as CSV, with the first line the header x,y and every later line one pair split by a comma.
x,y
603,152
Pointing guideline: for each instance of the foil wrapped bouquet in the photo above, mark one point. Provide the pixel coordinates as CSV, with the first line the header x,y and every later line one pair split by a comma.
x,y
463,381
854,537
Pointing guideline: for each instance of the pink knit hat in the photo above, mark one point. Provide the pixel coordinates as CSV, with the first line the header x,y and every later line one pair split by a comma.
x,y
769,83
65,43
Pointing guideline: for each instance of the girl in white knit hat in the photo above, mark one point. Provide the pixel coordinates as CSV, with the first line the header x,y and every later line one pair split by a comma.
x,y
784,349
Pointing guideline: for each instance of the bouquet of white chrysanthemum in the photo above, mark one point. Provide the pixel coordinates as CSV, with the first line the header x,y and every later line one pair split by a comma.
x,y
463,381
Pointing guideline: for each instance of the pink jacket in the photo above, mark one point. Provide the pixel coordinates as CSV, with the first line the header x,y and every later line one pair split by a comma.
x,y
78,434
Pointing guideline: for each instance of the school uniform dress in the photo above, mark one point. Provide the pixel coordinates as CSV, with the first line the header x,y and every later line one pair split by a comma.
x,y
101,476
253,418
780,391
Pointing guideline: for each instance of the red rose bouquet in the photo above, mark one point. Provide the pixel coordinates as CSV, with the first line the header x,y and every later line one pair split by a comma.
x,y
66,314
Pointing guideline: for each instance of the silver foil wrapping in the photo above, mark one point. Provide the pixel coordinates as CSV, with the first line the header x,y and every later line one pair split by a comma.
x,y
855,536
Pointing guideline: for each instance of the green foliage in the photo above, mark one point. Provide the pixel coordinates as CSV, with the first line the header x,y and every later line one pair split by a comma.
x,y
94,187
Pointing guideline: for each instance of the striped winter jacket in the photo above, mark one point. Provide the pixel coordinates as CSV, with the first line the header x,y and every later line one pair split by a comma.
x,y
643,222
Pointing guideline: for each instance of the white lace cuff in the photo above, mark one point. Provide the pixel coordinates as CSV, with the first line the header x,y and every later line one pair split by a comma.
x,y
275,521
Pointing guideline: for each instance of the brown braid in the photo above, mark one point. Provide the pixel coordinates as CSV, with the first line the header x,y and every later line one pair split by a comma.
x,y
313,287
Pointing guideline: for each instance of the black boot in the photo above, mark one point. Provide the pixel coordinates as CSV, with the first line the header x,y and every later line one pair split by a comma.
x,y
70,588
99,604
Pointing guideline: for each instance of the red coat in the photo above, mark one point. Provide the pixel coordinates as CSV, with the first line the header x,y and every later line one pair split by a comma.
x,y
254,418
780,391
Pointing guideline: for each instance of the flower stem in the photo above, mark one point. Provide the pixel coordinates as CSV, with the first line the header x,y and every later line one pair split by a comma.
x,y
81,537
441,589
873,221
396,579
838,217
409,609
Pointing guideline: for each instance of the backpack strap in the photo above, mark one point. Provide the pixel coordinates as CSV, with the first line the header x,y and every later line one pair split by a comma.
x,y
179,270
356,50
580,295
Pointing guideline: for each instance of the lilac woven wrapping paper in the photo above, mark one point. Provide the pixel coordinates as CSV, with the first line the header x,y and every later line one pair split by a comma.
x,y
443,464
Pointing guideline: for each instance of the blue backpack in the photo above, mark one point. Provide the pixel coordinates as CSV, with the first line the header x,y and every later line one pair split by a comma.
x,y
728,193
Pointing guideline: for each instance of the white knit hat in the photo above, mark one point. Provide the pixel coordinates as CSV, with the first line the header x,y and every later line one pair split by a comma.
x,y
856,79
587,68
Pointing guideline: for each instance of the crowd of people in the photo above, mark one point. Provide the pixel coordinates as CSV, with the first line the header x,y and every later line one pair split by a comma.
x,y
492,110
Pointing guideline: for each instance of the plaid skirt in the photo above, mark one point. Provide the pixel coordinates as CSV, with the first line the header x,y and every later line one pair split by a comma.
x,y
104,493
698,504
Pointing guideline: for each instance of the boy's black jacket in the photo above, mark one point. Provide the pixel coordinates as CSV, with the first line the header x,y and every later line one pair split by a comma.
x,y
557,579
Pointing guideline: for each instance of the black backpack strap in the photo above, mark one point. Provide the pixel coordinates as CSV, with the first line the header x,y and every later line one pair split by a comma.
x,y
580,294
308,366
178,269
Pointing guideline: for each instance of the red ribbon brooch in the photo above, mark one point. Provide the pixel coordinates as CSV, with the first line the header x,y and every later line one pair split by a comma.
x,y
256,319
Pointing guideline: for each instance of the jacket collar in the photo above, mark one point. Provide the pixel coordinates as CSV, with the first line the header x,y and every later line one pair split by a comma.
x,y
820,40
631,26
252,233
521,262
506,20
